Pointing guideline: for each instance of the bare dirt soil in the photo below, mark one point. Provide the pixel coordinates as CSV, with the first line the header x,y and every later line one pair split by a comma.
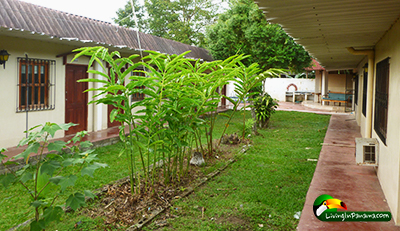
x,y
119,208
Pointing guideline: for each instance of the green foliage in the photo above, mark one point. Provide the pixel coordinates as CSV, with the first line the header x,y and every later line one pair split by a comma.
x,y
249,126
248,83
125,16
181,99
75,201
243,29
182,20
43,180
264,106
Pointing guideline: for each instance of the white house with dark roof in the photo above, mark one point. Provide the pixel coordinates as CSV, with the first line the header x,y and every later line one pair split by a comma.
x,y
40,76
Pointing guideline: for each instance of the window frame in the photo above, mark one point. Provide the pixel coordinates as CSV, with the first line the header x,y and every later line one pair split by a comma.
x,y
33,92
356,83
138,96
382,98
365,89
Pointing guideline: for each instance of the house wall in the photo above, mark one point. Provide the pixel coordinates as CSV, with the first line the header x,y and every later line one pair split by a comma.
x,y
337,82
230,89
277,87
357,107
318,81
388,171
13,124
360,118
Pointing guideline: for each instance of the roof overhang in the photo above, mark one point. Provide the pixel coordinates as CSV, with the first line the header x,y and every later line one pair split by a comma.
x,y
327,28
74,42
20,33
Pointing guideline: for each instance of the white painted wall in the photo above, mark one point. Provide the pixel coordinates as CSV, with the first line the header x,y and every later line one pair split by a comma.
x,y
389,154
337,82
230,90
13,124
361,119
277,87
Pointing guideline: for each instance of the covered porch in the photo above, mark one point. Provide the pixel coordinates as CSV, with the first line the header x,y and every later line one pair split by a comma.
x,y
360,38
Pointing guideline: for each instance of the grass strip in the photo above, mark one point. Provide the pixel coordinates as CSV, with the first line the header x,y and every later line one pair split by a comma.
x,y
265,187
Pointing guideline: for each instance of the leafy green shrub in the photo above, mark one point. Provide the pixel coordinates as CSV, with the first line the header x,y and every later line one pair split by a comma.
x,y
264,106
42,178
249,126
181,98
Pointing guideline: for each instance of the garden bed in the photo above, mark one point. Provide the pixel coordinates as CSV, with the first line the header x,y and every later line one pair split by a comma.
x,y
117,208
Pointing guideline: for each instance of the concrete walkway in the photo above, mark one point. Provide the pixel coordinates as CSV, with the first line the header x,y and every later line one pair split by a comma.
x,y
289,106
337,175
98,138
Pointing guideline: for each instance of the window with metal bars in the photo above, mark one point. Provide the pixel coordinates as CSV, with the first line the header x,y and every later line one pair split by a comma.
x,y
138,96
365,87
36,84
381,99
356,89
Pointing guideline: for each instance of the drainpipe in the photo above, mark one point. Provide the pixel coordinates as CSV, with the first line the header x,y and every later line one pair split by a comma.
x,y
371,59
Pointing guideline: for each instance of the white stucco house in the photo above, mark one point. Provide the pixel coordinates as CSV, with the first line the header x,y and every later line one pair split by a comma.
x,y
38,81
362,36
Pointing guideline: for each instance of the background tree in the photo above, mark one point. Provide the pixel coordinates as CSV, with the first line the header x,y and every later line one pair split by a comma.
x,y
125,16
180,20
243,29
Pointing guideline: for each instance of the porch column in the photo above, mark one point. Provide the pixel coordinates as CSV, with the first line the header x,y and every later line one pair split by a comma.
x,y
324,84
98,116
370,92
317,89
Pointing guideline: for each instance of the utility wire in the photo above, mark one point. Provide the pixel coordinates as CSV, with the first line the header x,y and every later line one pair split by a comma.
x,y
137,31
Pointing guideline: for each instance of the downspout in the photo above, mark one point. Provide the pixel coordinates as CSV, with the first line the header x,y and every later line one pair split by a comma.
x,y
371,69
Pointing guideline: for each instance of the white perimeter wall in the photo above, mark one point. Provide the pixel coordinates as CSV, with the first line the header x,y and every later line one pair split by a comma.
x,y
277,87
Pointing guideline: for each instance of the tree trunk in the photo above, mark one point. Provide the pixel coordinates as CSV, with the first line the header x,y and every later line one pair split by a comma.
x,y
264,123
253,115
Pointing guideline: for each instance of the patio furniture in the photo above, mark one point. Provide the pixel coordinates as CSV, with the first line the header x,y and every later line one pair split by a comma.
x,y
294,93
336,97
318,94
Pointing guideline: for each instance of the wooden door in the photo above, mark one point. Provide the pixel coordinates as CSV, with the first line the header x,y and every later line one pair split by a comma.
x,y
109,123
223,100
76,109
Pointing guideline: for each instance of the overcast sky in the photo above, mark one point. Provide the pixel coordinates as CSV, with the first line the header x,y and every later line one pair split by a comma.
x,y
95,9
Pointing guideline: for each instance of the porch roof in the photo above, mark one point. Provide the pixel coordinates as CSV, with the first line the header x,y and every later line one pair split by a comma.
x,y
26,20
326,28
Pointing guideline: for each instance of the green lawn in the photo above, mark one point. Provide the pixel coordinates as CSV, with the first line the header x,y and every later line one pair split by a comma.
x,y
266,186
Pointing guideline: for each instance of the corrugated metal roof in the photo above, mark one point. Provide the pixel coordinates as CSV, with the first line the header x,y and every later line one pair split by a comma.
x,y
325,28
20,17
